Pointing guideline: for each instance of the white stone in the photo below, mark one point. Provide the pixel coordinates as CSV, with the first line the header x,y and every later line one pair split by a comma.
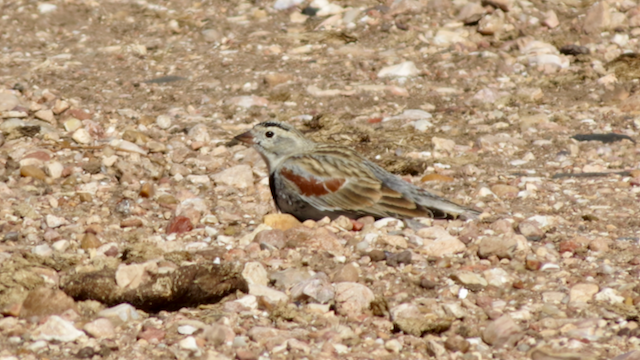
x,y
60,245
405,69
82,136
100,328
187,329
286,4
42,250
54,169
255,273
45,8
163,121
189,343
58,329
127,146
55,221
609,295
199,179
120,314
269,295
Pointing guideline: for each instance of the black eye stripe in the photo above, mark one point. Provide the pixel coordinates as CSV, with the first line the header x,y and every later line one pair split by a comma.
x,y
274,124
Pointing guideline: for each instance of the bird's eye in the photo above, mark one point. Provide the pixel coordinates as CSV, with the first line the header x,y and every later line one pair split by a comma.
x,y
269,134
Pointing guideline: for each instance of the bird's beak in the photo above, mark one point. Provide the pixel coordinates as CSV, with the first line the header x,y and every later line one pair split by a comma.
x,y
246,138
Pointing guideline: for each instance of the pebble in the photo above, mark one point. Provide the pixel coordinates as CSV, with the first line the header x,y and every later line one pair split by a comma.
x,y
318,287
33,171
352,298
45,115
42,250
502,247
163,121
57,329
187,329
393,345
55,221
268,295
405,69
502,331
281,222
82,136
255,273
54,169
42,302
472,281
100,328
119,314
582,293
8,101
347,273
189,343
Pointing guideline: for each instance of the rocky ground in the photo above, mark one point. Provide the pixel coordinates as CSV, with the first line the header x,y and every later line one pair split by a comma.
x,y
120,185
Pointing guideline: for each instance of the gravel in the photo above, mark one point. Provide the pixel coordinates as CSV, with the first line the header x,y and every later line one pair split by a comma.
x,y
132,226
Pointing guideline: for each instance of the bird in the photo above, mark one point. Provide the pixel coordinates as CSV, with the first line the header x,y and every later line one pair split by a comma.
x,y
312,180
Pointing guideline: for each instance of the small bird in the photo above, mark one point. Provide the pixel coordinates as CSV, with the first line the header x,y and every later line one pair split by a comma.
x,y
311,180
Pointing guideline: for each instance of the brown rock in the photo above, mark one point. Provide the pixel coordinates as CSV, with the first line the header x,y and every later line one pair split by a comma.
x,y
599,245
597,18
502,332
504,191
531,230
33,171
456,342
90,241
347,273
151,334
79,114
282,222
132,222
275,238
42,302
179,225
147,190
502,247
437,178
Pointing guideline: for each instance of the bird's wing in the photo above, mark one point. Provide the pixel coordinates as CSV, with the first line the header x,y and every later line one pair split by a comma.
x,y
338,180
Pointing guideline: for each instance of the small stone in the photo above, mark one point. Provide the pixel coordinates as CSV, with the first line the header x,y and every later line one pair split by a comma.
x,y
187,329
437,178
147,190
281,221
33,171
46,8
504,191
599,245
210,35
45,115
130,276
58,329
218,334
550,19
151,333
120,314
498,277
405,69
471,281
272,238
43,302
55,221
377,255
502,332
239,176
456,342
179,225
287,278
188,343
248,101
531,230
8,102
610,296
274,79
54,169
268,295
347,273
42,250
393,345
316,287
412,321
403,257
583,293
82,136
100,328
60,106
504,5
502,247
597,18
255,273
352,298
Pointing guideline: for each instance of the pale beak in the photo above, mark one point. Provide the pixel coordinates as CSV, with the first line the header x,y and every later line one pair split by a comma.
x,y
246,138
